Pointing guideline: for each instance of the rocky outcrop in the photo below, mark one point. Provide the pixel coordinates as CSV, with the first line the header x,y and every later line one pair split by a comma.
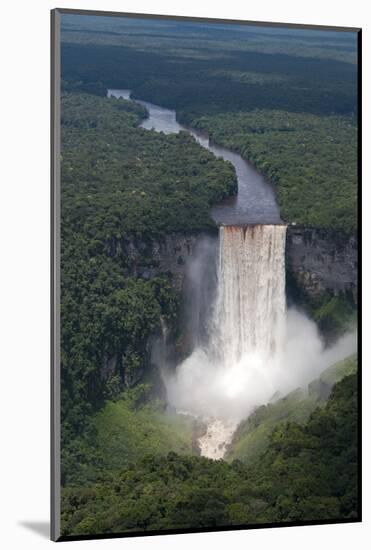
x,y
321,260
318,260
178,256
149,258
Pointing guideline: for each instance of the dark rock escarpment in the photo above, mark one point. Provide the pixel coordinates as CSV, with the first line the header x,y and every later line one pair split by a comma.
x,y
322,261
317,261
148,258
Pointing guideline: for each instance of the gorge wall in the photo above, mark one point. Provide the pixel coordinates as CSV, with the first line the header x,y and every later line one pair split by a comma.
x,y
317,261
320,260
148,258
176,256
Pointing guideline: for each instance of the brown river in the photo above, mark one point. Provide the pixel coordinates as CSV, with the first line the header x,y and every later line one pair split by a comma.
x,y
255,201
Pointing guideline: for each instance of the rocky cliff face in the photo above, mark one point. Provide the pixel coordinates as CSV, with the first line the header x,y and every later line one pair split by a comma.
x,y
318,260
321,260
176,255
149,258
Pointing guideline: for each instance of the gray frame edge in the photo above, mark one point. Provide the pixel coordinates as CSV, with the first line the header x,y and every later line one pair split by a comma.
x,y
55,470
55,533
195,19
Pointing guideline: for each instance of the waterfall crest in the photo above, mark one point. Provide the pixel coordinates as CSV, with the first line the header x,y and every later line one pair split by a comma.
x,y
250,306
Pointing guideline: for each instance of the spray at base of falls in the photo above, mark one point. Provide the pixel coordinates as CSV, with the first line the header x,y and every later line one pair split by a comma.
x,y
255,348
247,322
249,314
218,435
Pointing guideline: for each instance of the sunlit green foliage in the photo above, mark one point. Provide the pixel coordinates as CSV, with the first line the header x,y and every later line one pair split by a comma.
x,y
335,315
126,433
307,472
128,427
253,434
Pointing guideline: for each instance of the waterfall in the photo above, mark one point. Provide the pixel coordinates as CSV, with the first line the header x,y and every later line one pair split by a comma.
x,y
233,369
250,307
249,316
253,349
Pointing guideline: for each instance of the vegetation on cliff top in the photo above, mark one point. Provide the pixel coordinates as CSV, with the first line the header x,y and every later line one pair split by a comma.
x,y
311,159
118,178
284,103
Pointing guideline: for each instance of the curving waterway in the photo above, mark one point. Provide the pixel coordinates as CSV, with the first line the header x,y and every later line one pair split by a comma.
x,y
255,202
250,270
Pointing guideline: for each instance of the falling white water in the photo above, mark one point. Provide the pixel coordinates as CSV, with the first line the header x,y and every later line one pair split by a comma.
x,y
250,307
255,349
248,319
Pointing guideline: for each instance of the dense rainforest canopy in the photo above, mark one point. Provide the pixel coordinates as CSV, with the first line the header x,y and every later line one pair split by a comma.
x,y
311,159
120,181
308,472
286,101
278,98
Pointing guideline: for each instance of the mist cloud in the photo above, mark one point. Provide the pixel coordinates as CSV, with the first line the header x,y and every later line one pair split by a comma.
x,y
206,388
